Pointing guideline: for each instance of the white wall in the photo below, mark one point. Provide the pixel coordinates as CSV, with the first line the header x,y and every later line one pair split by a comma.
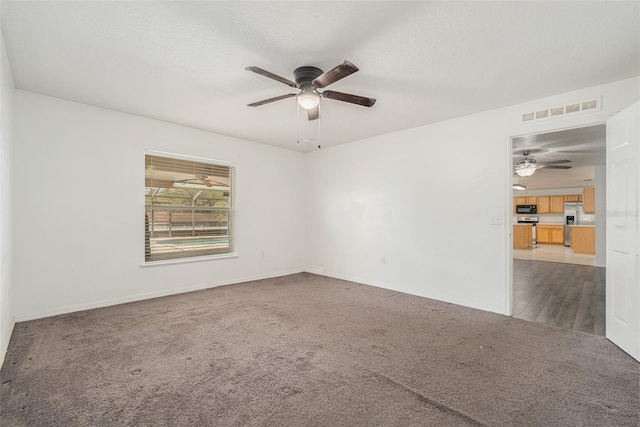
x,y
424,198
6,147
79,203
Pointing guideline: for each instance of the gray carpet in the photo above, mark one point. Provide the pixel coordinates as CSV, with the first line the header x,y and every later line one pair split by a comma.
x,y
306,350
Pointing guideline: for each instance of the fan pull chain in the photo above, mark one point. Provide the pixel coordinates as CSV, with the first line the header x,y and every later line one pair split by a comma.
x,y
306,130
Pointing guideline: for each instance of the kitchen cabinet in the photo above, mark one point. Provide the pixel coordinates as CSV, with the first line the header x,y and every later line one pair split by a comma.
x,y
557,235
556,204
552,234
543,235
583,239
525,200
589,200
522,236
543,204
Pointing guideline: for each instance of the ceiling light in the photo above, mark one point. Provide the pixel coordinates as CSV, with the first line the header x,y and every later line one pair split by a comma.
x,y
526,170
519,187
308,99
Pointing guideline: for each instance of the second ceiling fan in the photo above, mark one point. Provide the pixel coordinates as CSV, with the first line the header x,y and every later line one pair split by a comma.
x,y
309,79
527,166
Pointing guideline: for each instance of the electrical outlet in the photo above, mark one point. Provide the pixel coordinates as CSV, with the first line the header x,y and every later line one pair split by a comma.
x,y
383,261
263,255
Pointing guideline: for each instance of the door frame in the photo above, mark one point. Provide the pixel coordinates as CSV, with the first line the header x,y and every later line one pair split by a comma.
x,y
546,126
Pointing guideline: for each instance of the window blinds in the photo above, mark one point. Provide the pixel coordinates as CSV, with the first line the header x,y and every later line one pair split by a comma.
x,y
189,208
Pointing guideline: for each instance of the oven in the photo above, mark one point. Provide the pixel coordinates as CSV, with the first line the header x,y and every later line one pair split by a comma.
x,y
533,220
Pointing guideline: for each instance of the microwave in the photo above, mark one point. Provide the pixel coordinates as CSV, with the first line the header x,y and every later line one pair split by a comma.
x,y
527,209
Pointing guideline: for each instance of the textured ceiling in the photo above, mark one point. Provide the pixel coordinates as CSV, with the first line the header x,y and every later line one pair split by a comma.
x,y
585,147
184,62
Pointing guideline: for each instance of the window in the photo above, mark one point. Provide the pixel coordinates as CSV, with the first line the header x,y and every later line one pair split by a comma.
x,y
189,207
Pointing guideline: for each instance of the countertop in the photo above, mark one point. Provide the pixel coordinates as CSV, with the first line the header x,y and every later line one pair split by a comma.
x,y
582,225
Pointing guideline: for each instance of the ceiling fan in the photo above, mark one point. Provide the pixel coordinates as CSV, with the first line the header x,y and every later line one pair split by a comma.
x,y
309,80
527,166
209,181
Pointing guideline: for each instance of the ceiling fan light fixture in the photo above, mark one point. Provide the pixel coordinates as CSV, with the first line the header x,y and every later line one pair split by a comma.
x,y
519,187
526,170
308,99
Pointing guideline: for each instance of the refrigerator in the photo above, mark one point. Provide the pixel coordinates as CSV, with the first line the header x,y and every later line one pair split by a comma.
x,y
574,215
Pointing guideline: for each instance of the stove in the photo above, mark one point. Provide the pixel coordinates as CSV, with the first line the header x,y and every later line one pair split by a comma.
x,y
533,220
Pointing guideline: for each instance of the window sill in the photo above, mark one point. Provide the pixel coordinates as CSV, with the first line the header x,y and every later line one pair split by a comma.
x,y
188,260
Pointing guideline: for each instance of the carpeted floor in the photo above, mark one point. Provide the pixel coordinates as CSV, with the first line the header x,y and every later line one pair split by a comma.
x,y
306,350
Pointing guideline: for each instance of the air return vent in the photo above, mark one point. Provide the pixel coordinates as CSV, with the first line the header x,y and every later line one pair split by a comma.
x,y
564,110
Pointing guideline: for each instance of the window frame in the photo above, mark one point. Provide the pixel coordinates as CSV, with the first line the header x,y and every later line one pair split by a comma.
x,y
232,210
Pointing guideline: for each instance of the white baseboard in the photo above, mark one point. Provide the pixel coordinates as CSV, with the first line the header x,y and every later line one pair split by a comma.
x,y
456,301
181,290
145,296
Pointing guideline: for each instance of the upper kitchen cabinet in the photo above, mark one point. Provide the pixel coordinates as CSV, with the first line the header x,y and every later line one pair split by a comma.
x,y
556,204
572,198
521,200
531,200
589,199
543,204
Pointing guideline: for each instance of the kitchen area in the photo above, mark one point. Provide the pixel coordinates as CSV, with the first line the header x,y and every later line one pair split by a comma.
x,y
559,228
555,227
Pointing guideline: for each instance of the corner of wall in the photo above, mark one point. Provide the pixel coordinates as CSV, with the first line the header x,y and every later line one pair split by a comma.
x,y
7,87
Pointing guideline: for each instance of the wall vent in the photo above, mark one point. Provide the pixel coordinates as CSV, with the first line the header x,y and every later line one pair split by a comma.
x,y
564,110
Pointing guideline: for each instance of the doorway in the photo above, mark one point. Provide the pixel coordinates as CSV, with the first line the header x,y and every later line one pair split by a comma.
x,y
558,228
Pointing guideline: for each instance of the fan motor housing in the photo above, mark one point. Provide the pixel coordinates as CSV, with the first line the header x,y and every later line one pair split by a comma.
x,y
305,75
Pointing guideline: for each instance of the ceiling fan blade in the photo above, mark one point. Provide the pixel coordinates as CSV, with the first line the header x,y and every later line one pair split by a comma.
x,y
270,75
554,167
270,100
336,73
313,113
554,162
346,97
595,150
530,152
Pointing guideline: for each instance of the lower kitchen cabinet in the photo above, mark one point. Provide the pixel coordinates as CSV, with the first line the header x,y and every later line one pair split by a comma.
x,y
583,239
553,234
543,235
522,236
557,235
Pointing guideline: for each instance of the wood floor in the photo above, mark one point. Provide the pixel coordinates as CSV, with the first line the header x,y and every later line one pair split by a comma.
x,y
568,296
